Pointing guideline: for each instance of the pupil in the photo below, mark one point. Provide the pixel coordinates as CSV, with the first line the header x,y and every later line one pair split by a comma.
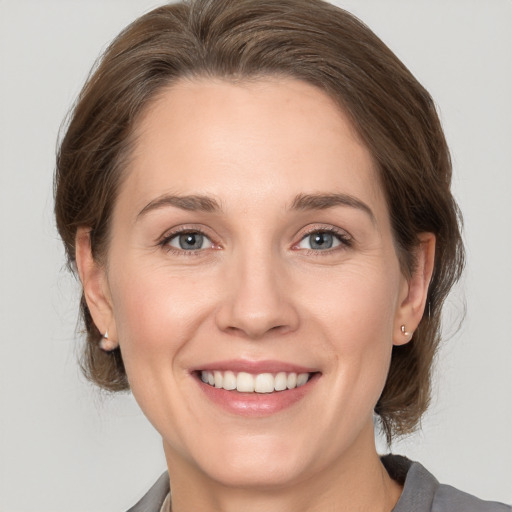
x,y
191,241
321,241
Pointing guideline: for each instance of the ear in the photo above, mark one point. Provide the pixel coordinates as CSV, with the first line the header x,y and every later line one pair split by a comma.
x,y
96,290
415,291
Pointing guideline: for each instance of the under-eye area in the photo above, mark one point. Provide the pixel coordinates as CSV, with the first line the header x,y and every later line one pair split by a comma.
x,y
245,382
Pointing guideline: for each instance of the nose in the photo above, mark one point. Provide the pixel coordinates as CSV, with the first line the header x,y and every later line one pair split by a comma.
x,y
258,299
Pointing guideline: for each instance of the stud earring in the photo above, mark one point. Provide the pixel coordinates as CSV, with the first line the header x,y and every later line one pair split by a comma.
x,y
106,344
404,332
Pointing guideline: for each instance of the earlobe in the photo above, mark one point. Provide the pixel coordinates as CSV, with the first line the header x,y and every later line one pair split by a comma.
x,y
96,290
413,303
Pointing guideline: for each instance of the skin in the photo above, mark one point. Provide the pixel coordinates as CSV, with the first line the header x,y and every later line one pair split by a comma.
x,y
257,290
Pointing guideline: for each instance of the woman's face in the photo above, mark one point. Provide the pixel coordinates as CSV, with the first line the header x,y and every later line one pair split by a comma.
x,y
251,246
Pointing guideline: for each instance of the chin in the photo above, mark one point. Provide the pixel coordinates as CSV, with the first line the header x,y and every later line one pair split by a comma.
x,y
261,470
244,460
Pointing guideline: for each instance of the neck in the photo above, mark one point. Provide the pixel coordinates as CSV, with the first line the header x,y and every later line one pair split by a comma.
x,y
358,481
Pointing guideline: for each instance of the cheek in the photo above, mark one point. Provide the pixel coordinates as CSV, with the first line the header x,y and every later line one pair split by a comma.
x,y
355,313
356,303
156,313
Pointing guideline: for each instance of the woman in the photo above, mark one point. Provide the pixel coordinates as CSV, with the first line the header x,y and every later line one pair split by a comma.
x,y
256,198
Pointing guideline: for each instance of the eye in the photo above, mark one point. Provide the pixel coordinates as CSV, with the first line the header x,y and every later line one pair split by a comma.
x,y
322,240
189,241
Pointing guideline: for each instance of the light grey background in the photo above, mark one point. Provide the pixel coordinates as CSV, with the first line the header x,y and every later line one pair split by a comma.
x,y
64,447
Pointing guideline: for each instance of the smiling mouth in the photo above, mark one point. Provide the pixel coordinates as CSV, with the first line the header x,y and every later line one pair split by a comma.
x,y
244,382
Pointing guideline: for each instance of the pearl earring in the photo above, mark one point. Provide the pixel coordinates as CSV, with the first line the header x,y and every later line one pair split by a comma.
x,y
404,332
106,343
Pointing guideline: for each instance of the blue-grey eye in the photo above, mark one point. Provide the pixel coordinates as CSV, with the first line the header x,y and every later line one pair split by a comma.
x,y
192,241
320,241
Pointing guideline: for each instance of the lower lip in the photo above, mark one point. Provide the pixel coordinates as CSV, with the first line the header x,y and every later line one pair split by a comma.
x,y
256,404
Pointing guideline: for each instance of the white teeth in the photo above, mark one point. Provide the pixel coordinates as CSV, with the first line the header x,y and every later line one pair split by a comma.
x,y
261,383
229,381
264,383
281,380
302,378
291,381
245,382
217,376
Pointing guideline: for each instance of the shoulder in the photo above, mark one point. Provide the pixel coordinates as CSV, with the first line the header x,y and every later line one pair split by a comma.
x,y
448,498
423,493
153,500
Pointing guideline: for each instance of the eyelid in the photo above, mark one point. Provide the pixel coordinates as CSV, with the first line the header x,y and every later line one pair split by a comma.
x,y
171,233
174,241
346,240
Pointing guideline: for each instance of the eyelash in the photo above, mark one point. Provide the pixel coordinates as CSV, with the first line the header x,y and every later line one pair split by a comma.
x,y
345,240
165,242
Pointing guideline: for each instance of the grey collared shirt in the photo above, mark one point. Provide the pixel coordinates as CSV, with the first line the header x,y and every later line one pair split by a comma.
x,y
422,492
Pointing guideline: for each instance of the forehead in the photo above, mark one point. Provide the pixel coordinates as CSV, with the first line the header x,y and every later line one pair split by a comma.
x,y
265,139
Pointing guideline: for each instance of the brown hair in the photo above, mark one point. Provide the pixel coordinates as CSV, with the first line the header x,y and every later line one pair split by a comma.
x,y
310,40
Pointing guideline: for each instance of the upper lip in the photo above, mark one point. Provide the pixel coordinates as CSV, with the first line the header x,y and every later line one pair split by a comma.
x,y
255,367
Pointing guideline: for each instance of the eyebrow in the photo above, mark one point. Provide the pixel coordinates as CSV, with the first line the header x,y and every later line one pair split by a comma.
x,y
325,201
301,202
190,203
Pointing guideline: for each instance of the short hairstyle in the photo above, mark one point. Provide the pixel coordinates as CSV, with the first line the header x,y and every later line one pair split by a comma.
x,y
310,40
